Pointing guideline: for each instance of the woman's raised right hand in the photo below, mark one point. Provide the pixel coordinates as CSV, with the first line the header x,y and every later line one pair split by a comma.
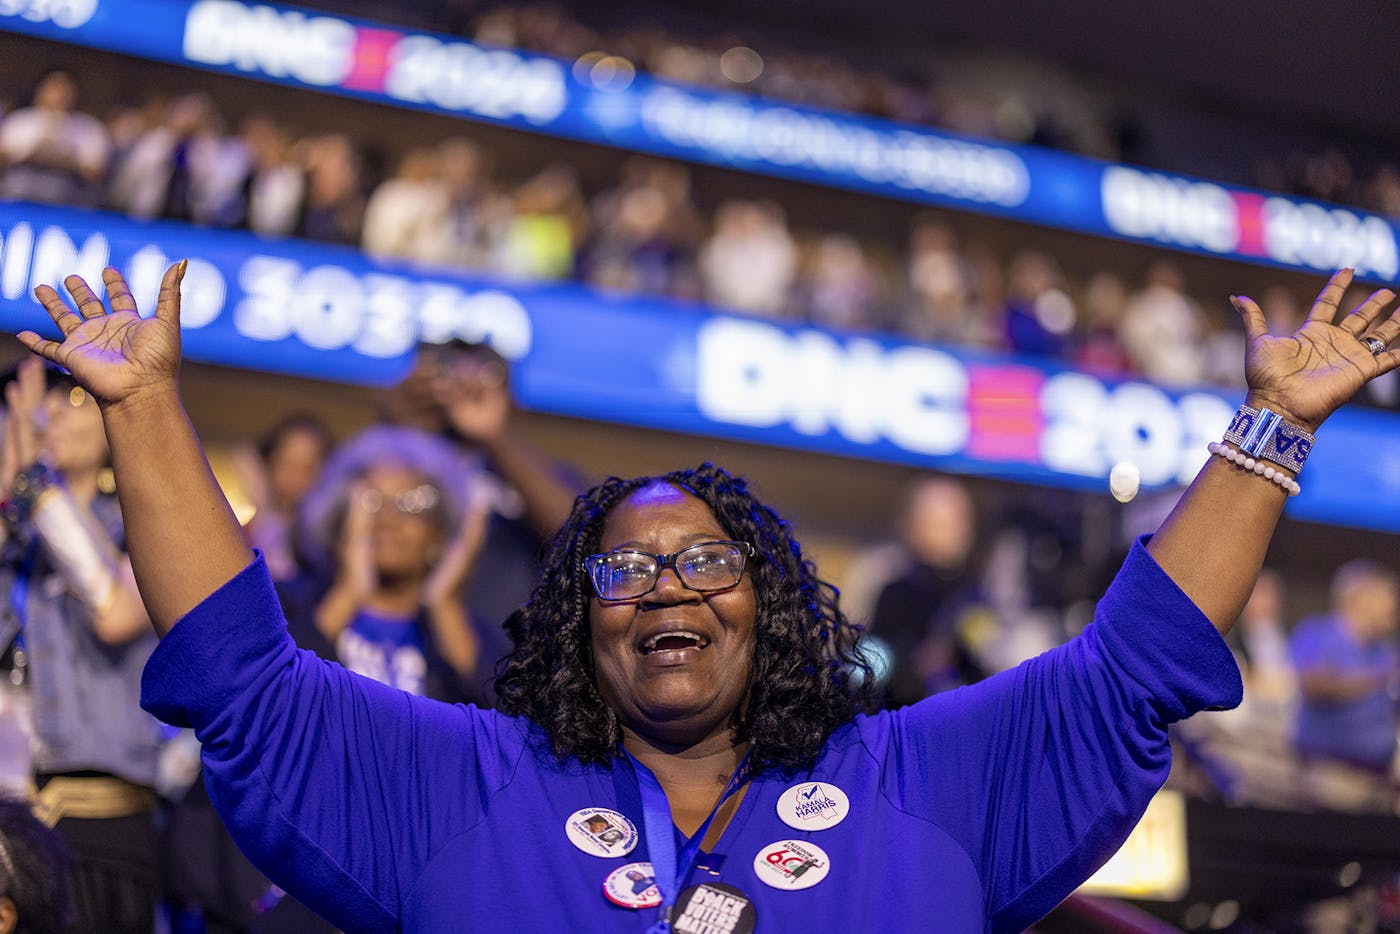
x,y
116,355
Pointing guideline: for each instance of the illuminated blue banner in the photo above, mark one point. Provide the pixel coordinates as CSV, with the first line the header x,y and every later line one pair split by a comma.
x,y
545,95
327,312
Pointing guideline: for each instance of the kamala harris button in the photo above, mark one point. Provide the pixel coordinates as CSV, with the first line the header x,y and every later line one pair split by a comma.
x,y
601,832
791,864
813,806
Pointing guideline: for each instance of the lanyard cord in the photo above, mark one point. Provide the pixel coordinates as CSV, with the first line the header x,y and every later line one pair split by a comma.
x,y
671,870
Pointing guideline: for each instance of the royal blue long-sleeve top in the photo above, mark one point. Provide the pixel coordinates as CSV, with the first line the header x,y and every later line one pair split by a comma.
x,y
975,810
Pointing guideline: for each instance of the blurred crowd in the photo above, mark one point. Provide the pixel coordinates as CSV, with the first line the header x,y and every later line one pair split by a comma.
x,y
401,554
455,204
948,92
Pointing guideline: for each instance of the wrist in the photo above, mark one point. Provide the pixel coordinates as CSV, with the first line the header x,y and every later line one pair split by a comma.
x,y
1264,400
140,406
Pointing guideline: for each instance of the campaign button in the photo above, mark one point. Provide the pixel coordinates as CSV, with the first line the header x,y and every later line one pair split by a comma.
x,y
791,864
713,908
601,832
632,886
813,806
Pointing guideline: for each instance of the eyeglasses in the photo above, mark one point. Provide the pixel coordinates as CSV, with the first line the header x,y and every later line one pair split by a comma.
x,y
412,502
707,566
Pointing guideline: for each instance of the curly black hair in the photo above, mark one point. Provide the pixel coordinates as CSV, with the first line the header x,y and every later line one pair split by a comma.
x,y
810,673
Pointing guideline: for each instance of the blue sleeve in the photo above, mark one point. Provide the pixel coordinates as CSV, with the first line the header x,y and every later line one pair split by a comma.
x,y
338,788
1041,772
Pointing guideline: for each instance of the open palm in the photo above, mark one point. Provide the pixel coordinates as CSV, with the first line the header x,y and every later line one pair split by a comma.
x,y
114,354
1308,375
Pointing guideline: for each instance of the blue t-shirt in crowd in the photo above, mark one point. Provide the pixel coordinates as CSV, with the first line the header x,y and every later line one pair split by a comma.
x,y
974,810
1359,731
386,649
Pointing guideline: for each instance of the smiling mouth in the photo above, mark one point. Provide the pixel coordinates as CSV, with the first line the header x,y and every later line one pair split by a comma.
x,y
673,641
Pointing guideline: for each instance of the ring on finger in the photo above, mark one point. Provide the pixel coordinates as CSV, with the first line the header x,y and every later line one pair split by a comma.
x,y
1373,344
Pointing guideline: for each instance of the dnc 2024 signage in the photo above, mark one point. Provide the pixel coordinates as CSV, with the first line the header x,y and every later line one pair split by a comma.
x,y
330,313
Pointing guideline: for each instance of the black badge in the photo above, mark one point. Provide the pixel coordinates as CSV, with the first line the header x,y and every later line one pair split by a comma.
x,y
713,908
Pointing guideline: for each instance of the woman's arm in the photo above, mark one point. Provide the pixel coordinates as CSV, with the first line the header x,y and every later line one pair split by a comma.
x,y
183,538
453,632
1213,543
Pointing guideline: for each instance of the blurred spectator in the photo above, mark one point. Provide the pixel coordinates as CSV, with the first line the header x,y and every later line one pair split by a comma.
x,y
645,232
184,168
34,874
1101,349
1347,663
548,221
391,521
918,613
276,476
334,205
1039,314
472,211
839,288
461,392
1385,191
750,260
940,303
1261,644
403,213
276,185
52,152
1163,329
76,634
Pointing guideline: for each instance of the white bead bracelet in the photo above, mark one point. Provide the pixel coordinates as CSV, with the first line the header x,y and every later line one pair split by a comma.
x,y
1260,467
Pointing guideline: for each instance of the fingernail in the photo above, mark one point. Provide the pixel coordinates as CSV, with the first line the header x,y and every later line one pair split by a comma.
x,y
180,270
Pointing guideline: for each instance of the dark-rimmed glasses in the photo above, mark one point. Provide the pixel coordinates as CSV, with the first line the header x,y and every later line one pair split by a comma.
x,y
705,567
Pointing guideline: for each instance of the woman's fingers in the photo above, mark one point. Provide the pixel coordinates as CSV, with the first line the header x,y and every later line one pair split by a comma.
x,y
118,292
63,316
1255,324
168,302
42,346
1367,312
89,305
1325,308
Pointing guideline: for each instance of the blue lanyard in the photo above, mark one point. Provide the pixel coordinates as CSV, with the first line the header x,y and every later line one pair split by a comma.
x,y
669,869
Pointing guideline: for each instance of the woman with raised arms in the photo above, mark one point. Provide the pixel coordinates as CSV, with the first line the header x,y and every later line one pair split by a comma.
x,y
679,744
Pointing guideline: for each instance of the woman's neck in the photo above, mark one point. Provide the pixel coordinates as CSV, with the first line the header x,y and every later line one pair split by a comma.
x,y
693,777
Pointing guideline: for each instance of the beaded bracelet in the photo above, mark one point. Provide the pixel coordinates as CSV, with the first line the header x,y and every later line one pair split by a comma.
x,y
1259,467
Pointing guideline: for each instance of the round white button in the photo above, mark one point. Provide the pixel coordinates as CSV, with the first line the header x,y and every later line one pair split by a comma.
x,y
813,806
791,864
601,832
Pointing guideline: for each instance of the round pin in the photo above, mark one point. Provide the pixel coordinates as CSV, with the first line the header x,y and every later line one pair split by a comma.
x,y
791,864
632,886
714,908
813,806
601,832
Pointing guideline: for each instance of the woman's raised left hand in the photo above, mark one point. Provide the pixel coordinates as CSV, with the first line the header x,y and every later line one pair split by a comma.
x,y
1308,375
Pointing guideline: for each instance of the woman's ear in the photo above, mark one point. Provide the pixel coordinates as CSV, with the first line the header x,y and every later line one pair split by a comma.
x,y
9,915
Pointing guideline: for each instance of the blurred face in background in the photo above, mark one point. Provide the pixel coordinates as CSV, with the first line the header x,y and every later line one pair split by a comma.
x,y
294,464
940,524
72,439
1372,605
57,92
406,528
